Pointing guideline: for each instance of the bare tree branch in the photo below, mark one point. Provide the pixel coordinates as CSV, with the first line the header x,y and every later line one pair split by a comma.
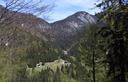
x,y
11,7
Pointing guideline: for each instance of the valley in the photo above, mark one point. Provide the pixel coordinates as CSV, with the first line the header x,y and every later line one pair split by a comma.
x,y
78,48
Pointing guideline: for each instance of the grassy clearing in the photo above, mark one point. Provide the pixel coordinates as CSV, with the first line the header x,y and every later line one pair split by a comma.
x,y
52,65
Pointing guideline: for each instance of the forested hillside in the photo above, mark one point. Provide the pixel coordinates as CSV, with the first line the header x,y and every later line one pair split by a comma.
x,y
80,48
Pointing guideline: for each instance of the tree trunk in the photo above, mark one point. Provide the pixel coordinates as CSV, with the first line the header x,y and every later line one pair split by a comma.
x,y
93,59
122,79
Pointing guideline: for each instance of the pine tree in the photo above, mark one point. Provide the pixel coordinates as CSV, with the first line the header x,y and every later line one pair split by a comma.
x,y
115,33
57,75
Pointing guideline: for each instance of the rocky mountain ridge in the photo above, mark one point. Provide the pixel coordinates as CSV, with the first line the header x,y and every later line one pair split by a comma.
x,y
61,33
70,29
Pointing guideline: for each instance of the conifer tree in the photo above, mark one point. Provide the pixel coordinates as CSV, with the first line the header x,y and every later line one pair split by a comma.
x,y
115,15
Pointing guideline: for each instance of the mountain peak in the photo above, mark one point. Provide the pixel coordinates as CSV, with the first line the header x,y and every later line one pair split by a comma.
x,y
71,28
61,33
81,12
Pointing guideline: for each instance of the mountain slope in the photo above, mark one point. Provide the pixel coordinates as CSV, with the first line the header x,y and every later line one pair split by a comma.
x,y
60,33
27,22
70,29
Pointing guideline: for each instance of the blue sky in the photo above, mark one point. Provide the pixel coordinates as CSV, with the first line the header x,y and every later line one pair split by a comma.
x,y
64,8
